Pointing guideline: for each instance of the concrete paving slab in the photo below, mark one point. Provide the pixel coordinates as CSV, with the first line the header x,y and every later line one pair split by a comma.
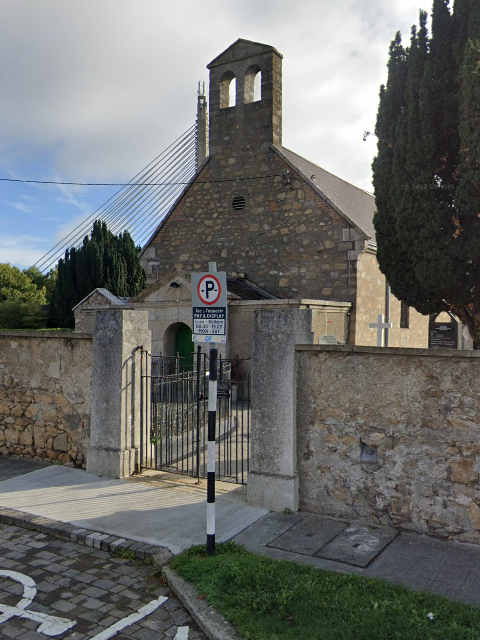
x,y
357,544
169,515
309,535
267,529
451,569
11,466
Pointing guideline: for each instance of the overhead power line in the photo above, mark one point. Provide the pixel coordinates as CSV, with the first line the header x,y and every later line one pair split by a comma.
x,y
140,204
138,184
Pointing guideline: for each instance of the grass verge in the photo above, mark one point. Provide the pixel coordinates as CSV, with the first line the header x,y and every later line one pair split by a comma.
x,y
277,600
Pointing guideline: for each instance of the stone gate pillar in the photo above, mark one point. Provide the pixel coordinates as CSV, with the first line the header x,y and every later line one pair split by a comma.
x,y
116,383
272,478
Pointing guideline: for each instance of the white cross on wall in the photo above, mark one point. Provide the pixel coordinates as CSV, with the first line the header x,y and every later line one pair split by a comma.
x,y
380,325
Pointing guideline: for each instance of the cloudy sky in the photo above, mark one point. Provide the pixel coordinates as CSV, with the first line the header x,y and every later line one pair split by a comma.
x,y
93,90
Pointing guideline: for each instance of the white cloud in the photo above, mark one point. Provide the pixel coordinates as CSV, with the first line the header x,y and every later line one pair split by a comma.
x,y
21,251
102,87
21,206
71,195
93,91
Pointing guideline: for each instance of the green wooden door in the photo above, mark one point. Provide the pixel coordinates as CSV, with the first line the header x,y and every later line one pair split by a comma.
x,y
184,347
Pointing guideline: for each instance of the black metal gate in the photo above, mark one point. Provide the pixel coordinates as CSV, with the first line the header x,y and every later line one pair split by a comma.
x,y
175,416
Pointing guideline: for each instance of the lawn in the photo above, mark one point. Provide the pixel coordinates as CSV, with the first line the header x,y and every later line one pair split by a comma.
x,y
276,600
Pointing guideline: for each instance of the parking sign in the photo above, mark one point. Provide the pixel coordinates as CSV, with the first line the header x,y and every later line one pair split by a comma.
x,y
209,307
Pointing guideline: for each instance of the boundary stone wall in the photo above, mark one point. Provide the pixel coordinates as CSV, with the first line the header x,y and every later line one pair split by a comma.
x,y
45,395
391,437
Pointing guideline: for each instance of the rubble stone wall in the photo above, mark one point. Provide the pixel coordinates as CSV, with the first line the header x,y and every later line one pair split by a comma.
x,y
391,436
287,240
45,395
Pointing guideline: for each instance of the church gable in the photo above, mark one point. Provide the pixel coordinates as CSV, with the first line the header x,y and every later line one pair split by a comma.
x,y
241,49
252,208
276,229
174,286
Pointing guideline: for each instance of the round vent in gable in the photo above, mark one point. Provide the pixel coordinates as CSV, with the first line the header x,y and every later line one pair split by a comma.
x,y
239,202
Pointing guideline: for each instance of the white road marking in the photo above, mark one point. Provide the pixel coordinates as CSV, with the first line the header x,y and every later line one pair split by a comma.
x,y
49,625
54,626
131,619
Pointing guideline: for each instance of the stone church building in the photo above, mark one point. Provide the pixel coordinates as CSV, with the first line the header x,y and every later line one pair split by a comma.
x,y
288,233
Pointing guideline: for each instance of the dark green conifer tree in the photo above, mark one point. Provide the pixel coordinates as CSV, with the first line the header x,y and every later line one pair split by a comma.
x,y
103,261
428,203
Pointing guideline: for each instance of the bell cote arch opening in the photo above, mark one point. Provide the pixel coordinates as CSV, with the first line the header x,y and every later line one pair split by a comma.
x,y
253,84
228,90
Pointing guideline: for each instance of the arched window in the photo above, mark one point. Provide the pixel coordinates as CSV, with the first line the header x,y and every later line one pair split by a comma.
x,y
253,84
228,90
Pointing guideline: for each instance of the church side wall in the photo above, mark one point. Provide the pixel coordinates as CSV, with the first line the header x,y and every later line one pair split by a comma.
x,y
371,302
287,239
45,396
414,414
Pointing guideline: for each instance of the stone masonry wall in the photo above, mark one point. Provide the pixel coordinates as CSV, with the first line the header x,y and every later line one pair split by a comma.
x,y
45,394
287,240
418,410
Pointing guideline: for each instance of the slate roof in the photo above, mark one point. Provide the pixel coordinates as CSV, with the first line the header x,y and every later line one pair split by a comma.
x,y
352,203
237,288
243,289
114,300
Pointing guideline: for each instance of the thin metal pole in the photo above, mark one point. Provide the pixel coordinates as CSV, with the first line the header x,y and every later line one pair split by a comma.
x,y
143,456
212,418
199,364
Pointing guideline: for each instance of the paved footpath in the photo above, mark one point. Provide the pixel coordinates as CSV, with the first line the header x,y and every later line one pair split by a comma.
x,y
50,588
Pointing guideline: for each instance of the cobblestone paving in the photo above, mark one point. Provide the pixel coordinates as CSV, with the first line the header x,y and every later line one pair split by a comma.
x,y
87,586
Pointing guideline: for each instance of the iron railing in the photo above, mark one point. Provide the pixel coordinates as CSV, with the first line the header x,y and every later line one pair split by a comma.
x,y
175,416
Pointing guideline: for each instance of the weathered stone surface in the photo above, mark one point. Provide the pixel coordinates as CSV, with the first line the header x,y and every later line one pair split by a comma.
x,y
463,471
39,436
474,514
26,437
60,442
45,390
33,411
419,408
49,413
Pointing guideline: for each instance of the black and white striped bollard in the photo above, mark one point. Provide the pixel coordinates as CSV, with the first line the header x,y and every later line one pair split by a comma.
x,y
212,418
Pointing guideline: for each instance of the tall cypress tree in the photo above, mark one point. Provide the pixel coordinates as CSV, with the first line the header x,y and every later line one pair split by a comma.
x,y
104,260
390,109
427,220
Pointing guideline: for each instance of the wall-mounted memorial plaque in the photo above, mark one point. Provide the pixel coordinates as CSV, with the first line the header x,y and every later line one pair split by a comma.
x,y
329,338
443,335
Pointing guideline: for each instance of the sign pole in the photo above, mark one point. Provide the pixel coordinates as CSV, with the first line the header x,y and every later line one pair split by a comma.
x,y
212,418
209,309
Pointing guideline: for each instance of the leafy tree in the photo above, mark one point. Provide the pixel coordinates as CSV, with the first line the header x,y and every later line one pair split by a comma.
x,y
16,285
427,171
104,260
22,315
42,280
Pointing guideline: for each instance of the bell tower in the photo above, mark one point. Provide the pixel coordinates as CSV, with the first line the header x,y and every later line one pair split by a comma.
x,y
251,115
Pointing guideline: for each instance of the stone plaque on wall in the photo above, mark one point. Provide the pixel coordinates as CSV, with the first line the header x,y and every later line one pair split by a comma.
x,y
329,338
